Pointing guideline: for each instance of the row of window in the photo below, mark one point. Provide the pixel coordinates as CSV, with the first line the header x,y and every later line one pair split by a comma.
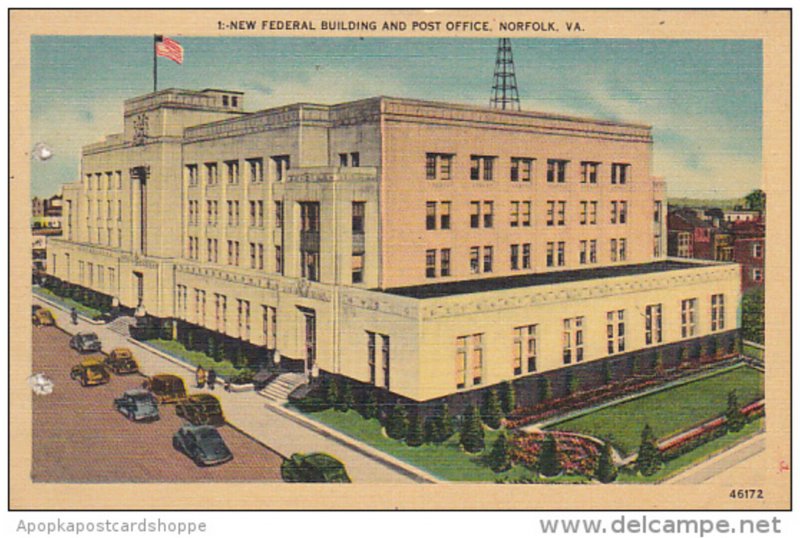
x,y
279,165
481,259
470,349
103,181
438,214
522,169
91,275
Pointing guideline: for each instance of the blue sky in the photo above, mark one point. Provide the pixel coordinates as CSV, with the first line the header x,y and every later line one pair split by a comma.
x,y
703,97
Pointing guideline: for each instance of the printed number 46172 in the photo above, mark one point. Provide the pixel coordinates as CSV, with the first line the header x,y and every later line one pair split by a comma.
x,y
746,494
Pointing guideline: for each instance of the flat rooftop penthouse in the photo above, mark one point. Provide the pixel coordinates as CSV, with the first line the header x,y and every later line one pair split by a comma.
x,y
462,287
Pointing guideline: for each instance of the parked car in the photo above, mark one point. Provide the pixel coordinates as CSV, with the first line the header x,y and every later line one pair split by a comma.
x,y
42,316
121,361
200,409
138,405
316,467
203,444
166,388
85,342
90,372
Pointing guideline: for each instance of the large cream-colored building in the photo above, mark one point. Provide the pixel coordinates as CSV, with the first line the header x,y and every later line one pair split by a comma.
x,y
425,248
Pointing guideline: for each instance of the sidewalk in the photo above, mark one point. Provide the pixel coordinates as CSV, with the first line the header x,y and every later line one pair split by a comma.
x,y
280,429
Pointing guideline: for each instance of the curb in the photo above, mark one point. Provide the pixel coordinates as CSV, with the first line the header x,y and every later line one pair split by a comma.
x,y
395,464
65,308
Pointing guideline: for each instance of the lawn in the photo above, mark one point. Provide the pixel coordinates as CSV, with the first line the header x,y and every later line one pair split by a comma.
x,y
753,352
446,461
67,302
196,358
669,411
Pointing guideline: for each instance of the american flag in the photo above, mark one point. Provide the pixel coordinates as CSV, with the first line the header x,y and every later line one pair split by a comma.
x,y
169,48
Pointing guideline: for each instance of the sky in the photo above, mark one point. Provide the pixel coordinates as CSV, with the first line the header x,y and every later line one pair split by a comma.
x,y
702,97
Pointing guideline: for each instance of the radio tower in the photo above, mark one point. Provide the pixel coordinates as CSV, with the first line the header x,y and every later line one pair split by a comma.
x,y
504,90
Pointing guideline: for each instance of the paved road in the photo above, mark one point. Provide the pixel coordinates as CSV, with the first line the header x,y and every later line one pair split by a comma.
x,y
714,470
248,412
79,437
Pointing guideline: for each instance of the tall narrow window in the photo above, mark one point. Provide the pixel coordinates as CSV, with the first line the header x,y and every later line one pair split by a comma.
x,y
477,359
525,349
371,357
430,263
386,355
620,173
488,214
475,260
589,172
556,171
445,261
438,165
461,362
652,324
444,215
487,259
430,215
358,217
688,318
717,312
521,169
475,214
256,168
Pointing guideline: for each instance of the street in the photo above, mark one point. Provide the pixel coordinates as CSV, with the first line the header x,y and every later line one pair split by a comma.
x,y
79,437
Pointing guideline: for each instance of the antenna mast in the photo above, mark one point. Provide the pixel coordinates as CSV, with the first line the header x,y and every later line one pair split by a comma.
x,y
504,90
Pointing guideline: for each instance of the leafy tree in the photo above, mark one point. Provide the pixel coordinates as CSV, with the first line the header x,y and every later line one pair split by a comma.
x,y
753,315
397,423
345,398
500,456
472,431
492,411
649,459
606,469
756,200
508,397
736,419
549,462
414,436
369,404
545,389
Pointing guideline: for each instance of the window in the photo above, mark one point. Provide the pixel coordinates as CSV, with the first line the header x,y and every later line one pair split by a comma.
x,y
475,214
623,253
572,338
758,249
717,312
211,174
623,212
487,259
279,259
584,251
119,177
243,318
191,173
477,359
358,217
224,100
613,250
438,165
253,253
562,212
561,254
343,160
386,355
445,261
520,213
514,214
526,255
481,167
252,213
758,274
614,212
589,172
233,172
514,257
444,215
488,214
620,173
584,213
261,256
688,318
269,326
551,208
309,240
469,347
526,213
550,253
615,331
593,251
357,272
355,159
525,348
461,362
430,215
256,167
474,260
430,263
652,324
371,357
281,164
279,214
556,170
521,256
521,168
593,212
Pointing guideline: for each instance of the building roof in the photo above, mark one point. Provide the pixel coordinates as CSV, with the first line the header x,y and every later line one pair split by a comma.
x,y
445,289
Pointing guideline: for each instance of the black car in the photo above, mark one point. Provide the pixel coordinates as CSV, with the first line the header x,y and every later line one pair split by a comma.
x,y
201,409
203,444
85,342
317,467
138,405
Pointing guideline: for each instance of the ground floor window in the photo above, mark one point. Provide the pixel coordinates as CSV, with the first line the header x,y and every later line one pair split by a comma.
x,y
573,340
717,312
615,331
469,348
525,348
688,318
652,324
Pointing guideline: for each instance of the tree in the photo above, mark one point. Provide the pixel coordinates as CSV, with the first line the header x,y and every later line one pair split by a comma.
x,y
719,347
369,404
331,387
211,347
545,389
397,423
735,417
549,462
414,436
500,456
345,398
658,365
608,375
573,383
472,431
241,356
508,397
190,339
756,200
753,315
606,469
439,426
492,412
649,460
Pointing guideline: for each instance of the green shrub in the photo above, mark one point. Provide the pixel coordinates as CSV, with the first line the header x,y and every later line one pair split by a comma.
x,y
331,392
606,469
573,383
508,397
397,422
549,462
492,411
368,404
472,431
649,459
500,456
439,426
414,436
608,375
242,377
545,389
345,402
735,419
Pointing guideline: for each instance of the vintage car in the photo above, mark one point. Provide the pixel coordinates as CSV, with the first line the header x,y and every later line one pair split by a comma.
x,y
200,409
121,361
138,405
42,316
203,444
166,388
90,372
317,467
85,342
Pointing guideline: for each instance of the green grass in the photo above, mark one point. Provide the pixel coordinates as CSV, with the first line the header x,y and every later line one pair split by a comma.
x,y
197,358
67,302
753,352
696,456
446,461
669,411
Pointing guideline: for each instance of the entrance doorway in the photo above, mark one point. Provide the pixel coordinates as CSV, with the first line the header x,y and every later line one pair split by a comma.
x,y
310,338
139,288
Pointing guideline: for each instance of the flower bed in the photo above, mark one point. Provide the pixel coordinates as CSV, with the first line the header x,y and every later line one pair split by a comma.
x,y
577,455
523,416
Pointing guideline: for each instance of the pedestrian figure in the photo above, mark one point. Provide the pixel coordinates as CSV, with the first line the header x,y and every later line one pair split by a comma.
x,y
200,374
212,379
74,315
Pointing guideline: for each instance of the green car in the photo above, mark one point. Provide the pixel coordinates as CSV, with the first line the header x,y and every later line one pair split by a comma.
x,y
315,467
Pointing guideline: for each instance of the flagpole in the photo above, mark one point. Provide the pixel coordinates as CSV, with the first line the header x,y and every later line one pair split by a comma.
x,y
155,66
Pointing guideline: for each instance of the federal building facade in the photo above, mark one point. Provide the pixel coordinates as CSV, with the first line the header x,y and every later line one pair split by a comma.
x,y
427,249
